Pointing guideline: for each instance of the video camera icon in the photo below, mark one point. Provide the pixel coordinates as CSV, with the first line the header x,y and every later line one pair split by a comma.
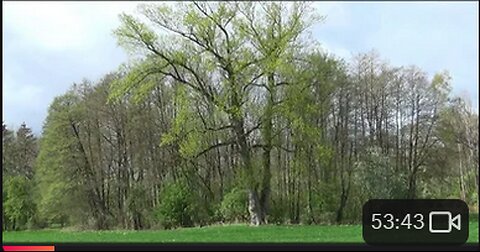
x,y
454,222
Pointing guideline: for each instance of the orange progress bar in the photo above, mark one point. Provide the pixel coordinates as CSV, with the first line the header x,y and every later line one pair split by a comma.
x,y
28,248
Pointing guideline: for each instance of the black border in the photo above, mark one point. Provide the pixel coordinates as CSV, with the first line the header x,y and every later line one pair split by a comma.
x,y
236,246
248,246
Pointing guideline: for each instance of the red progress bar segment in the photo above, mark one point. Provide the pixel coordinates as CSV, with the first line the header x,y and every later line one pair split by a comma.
x,y
28,248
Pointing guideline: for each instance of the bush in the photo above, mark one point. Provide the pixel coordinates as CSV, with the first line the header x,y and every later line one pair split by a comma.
x,y
18,206
234,206
178,206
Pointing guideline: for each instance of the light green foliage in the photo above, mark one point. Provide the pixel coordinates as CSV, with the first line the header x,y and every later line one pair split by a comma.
x,y
134,74
58,192
178,206
441,85
18,165
233,207
302,107
181,117
18,202
132,32
185,128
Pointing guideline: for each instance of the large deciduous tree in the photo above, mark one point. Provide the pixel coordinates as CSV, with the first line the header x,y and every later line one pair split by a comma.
x,y
222,53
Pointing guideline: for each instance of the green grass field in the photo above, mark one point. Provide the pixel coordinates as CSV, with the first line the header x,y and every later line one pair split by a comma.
x,y
227,233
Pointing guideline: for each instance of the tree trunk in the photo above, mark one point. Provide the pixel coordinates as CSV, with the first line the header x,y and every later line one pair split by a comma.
x,y
254,207
267,137
343,201
412,186
462,181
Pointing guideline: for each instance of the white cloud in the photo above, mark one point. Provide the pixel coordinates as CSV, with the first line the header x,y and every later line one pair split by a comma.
x,y
335,12
337,50
47,25
49,45
59,26
428,37
21,99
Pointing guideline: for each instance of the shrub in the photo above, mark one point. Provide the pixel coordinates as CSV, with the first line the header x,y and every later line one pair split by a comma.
x,y
234,206
178,206
18,206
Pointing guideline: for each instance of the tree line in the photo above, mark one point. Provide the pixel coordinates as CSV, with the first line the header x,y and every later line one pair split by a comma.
x,y
231,112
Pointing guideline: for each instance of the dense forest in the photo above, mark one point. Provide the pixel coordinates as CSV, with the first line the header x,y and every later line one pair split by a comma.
x,y
232,112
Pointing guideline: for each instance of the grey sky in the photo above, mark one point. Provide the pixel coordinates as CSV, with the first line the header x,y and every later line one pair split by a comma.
x,y
50,45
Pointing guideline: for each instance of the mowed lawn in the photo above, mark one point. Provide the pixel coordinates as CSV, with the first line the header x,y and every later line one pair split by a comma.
x,y
227,233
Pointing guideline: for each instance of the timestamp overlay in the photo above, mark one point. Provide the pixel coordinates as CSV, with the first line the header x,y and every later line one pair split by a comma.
x,y
415,222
